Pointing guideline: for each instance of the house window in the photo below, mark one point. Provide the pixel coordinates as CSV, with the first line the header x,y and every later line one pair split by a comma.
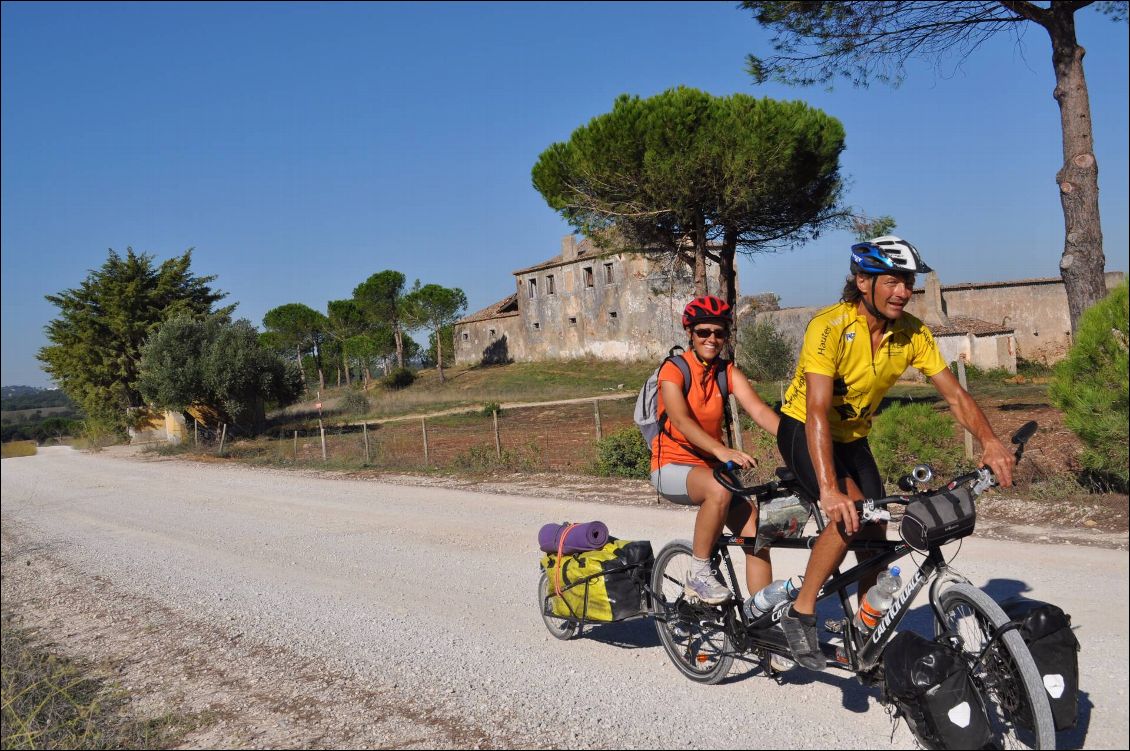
x,y
549,288
608,273
588,275
537,325
533,287
466,336
492,332
612,315
572,320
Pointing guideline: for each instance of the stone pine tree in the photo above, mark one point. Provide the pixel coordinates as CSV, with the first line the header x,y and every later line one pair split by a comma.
x,y
344,320
698,176
818,42
435,308
300,328
381,299
95,344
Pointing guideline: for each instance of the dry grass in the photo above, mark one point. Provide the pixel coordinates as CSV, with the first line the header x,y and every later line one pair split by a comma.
x,y
53,702
18,448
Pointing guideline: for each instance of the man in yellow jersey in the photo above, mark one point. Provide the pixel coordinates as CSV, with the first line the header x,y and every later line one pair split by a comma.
x,y
853,352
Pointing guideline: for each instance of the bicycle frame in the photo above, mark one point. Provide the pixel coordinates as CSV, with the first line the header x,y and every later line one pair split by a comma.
x,y
861,658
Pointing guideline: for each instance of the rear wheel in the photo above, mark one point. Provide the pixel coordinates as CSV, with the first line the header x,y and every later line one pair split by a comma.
x,y
561,628
1007,678
693,633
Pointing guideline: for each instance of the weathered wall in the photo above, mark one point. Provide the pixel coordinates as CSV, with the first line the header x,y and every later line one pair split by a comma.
x,y
492,341
583,304
1035,309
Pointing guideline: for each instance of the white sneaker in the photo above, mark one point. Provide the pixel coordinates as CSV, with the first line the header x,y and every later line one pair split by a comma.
x,y
707,589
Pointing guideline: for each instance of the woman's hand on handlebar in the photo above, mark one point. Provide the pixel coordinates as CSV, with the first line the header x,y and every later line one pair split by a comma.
x,y
840,509
739,458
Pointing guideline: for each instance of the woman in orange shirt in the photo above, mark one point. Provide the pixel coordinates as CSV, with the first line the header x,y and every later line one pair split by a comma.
x,y
690,446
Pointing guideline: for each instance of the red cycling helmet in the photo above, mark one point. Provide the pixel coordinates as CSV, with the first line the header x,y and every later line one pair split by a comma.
x,y
706,308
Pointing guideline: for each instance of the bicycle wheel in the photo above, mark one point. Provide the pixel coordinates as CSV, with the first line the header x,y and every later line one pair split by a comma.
x,y
561,628
693,634
1007,678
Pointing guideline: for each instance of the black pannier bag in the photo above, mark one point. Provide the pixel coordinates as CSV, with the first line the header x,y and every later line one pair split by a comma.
x,y
929,684
940,517
1046,630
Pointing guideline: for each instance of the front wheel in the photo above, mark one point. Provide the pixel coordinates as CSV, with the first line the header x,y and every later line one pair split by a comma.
x,y
1007,678
692,633
560,628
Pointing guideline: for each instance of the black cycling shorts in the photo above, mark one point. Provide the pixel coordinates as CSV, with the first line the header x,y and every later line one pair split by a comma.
x,y
852,459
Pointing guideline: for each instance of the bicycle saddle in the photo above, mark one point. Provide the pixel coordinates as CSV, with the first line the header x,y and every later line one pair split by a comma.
x,y
785,474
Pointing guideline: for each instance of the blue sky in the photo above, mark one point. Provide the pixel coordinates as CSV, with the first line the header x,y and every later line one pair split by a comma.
x,y
300,148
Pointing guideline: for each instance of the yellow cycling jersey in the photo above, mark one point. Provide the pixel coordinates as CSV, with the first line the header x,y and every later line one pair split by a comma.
x,y
837,344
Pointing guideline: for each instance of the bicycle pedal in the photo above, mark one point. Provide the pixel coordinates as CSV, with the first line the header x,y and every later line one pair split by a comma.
x,y
833,626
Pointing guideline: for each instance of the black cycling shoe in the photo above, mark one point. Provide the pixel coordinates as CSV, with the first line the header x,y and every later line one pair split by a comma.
x,y
802,639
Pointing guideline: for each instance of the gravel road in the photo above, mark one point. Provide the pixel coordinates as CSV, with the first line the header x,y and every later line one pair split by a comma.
x,y
295,610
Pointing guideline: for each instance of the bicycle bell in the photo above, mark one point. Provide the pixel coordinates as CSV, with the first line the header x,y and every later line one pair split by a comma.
x,y
922,473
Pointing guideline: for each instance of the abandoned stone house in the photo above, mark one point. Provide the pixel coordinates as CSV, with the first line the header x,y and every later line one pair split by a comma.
x,y
587,302
584,302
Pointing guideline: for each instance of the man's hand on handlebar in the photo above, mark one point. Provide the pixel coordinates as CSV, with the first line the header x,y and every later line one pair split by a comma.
x,y
999,459
840,509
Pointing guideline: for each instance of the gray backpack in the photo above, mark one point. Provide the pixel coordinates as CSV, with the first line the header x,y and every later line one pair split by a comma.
x,y
647,416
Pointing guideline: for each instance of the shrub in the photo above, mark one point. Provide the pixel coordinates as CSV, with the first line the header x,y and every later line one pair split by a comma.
x,y
489,408
354,403
765,353
399,378
623,454
907,434
1090,386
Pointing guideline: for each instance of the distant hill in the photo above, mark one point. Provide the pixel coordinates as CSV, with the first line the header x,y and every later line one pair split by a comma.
x,y
13,398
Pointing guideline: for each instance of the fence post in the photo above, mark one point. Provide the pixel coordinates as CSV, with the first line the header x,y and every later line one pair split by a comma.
x,y
195,432
497,438
962,380
424,428
736,424
322,430
596,417
365,434
223,437
296,445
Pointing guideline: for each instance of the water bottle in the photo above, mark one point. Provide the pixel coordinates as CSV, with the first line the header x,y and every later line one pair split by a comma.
x,y
769,596
877,601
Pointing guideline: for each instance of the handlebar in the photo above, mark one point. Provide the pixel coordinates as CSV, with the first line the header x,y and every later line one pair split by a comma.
x,y
873,509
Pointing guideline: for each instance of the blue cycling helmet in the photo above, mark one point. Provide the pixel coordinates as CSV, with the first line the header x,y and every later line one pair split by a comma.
x,y
887,255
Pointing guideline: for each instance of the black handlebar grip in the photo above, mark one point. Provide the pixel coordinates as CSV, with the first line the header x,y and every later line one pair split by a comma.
x,y
1027,430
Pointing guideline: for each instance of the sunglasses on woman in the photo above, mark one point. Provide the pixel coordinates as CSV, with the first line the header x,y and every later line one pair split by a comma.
x,y
705,334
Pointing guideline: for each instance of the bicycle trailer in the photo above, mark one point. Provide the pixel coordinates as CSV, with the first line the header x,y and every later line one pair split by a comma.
x,y
599,586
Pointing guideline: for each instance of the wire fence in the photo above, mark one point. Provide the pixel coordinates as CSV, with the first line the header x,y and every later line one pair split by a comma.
x,y
561,437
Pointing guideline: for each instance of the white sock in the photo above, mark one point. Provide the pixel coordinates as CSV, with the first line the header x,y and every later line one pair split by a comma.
x,y
700,568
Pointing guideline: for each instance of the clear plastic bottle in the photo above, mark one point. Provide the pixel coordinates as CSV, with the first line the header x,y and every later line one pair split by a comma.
x,y
878,601
769,596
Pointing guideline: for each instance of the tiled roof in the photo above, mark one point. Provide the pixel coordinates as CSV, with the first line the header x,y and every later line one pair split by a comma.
x,y
506,307
959,326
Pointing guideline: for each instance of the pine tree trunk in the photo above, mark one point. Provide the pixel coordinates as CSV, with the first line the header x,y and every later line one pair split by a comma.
x,y
1083,264
399,344
439,354
728,269
700,281
302,370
